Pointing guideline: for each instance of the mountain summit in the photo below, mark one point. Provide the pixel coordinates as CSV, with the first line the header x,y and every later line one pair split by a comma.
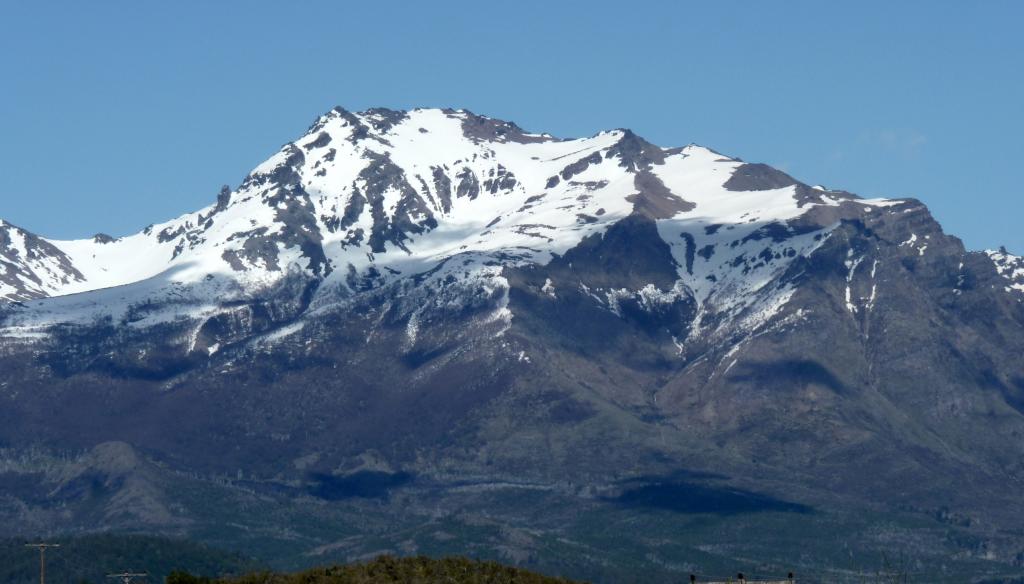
x,y
443,324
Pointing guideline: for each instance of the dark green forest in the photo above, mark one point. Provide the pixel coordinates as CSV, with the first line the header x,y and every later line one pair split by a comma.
x,y
388,570
90,558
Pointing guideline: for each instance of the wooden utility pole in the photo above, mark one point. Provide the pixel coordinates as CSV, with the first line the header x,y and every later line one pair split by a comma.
x,y
42,557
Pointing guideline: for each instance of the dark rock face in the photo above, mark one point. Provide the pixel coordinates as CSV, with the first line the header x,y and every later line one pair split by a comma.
x,y
379,177
296,213
442,186
23,256
575,168
469,184
383,119
499,179
322,139
653,199
635,153
758,177
491,130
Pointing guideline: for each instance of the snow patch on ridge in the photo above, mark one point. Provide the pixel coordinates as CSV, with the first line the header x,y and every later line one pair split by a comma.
x,y
1010,267
733,244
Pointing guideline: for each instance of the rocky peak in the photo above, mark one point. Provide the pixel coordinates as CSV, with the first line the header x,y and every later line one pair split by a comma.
x,y
30,266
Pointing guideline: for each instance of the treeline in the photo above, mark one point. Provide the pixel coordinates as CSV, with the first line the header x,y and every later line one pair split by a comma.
x,y
390,570
88,559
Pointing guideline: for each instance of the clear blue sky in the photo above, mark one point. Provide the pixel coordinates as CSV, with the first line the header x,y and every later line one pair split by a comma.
x,y
114,115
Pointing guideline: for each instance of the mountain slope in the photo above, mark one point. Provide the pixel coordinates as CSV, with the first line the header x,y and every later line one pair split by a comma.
x,y
31,267
433,316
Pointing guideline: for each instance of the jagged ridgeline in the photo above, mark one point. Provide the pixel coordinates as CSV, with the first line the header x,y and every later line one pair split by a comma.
x,y
434,332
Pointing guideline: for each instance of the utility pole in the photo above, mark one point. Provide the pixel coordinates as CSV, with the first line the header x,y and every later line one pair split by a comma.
x,y
42,557
127,577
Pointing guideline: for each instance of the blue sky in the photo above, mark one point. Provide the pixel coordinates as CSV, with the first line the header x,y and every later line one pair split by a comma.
x,y
114,115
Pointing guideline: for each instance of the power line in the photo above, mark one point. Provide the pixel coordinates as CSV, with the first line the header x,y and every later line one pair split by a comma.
x,y
127,577
740,579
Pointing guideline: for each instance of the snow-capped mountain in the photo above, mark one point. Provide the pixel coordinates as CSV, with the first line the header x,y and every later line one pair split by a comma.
x,y
445,306
369,198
